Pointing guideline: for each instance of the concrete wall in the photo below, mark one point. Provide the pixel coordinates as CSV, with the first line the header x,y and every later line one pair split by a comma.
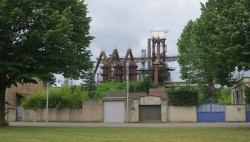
x,y
92,110
164,112
150,100
182,114
235,113
54,115
11,115
134,111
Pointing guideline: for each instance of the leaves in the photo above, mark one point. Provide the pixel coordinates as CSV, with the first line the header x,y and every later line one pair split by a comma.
x,y
182,96
214,45
65,97
136,86
40,38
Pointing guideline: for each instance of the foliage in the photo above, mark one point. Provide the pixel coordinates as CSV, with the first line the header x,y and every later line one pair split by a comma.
x,y
107,87
211,47
182,96
206,94
224,96
247,94
136,86
231,24
6,124
216,43
196,63
90,84
203,99
66,96
240,76
40,39
145,84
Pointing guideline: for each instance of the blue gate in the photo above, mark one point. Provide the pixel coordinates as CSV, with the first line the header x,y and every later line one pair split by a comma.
x,y
248,112
211,113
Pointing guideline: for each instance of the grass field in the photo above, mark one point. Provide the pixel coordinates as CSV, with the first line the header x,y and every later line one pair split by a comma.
x,y
75,134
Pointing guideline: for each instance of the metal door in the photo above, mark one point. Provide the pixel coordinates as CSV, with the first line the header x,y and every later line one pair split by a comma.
x,y
113,111
19,113
150,113
248,112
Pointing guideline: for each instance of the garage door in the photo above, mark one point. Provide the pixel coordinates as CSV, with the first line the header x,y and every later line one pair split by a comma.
x,y
113,111
150,113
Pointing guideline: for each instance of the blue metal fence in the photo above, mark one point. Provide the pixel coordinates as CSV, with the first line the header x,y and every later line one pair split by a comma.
x,y
248,112
211,113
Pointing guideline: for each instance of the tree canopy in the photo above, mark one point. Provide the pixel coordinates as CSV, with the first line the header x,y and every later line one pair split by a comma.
x,y
42,38
215,44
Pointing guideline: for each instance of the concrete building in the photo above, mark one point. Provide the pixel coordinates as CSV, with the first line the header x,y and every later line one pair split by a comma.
x,y
237,91
14,94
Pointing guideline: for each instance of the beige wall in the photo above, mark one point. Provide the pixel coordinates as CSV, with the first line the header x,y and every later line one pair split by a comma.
x,y
54,115
182,114
28,88
92,110
235,113
134,111
11,115
164,112
150,100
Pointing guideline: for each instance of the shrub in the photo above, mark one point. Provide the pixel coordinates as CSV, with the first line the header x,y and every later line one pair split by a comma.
x,y
134,86
182,96
66,96
224,96
247,94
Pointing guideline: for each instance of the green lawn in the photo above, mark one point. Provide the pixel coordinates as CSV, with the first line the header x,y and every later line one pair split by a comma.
x,y
74,134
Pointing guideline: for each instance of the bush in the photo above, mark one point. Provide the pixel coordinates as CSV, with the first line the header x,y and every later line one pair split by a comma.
x,y
247,94
134,86
182,96
64,97
107,87
224,96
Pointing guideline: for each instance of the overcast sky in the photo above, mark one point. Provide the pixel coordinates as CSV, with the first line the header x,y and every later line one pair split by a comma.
x,y
124,22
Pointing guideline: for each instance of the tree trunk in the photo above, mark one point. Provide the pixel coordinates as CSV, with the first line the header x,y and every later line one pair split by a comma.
x,y
2,100
212,89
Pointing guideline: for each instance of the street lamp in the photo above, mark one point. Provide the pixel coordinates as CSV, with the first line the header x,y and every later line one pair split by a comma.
x,y
47,101
127,89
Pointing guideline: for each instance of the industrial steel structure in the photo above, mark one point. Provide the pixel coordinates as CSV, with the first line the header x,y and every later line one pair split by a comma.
x,y
114,67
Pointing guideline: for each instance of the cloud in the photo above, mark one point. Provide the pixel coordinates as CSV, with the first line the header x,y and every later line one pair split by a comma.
x,y
124,22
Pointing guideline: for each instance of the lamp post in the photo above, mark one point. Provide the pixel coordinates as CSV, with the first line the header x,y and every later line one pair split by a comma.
x,y
127,89
47,101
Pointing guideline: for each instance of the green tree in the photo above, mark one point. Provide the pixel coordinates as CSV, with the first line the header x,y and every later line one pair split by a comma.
x,y
182,95
205,46
197,64
145,84
89,83
224,96
247,93
233,28
42,38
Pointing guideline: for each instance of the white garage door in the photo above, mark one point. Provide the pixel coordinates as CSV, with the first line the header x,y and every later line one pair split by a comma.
x,y
113,111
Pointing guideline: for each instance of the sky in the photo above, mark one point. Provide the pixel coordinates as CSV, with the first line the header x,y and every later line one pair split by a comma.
x,y
128,22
